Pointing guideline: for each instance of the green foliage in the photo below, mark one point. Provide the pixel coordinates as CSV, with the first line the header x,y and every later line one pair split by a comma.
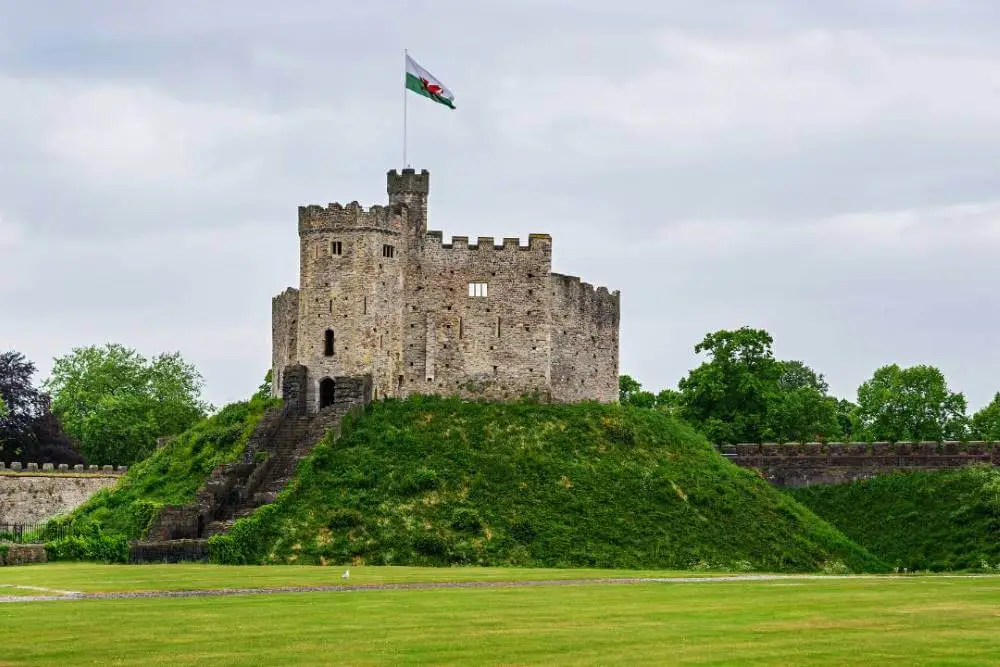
x,y
91,544
918,520
986,422
743,394
116,402
171,475
630,392
438,481
899,404
4,411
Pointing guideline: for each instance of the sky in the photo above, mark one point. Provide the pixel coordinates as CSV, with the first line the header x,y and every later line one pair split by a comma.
x,y
824,171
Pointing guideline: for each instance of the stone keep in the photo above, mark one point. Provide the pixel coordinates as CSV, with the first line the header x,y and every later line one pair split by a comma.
x,y
379,294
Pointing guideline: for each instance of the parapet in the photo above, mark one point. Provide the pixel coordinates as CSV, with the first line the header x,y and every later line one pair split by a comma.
x,y
353,216
408,182
537,242
55,469
586,296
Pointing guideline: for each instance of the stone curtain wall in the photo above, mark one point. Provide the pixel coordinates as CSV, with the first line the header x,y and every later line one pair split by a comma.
x,y
29,496
837,463
284,335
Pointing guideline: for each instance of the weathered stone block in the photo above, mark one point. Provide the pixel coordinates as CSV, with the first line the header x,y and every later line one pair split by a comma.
x,y
78,467
63,467
48,467
32,467
16,466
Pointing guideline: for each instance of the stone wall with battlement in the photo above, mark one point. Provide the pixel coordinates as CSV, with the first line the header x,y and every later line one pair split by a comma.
x,y
31,494
379,294
838,463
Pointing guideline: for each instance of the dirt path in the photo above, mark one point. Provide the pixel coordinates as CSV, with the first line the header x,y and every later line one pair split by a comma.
x,y
49,595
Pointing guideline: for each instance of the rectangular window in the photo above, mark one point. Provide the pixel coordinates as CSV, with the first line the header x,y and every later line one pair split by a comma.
x,y
388,251
477,289
336,248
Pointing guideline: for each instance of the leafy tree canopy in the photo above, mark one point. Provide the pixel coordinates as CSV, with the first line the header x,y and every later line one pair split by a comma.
x,y
28,431
743,394
116,402
986,422
630,392
914,403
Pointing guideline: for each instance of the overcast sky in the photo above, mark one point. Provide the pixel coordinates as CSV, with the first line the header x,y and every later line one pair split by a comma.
x,y
826,171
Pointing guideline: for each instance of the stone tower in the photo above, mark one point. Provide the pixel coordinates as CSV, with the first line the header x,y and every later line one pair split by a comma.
x,y
379,294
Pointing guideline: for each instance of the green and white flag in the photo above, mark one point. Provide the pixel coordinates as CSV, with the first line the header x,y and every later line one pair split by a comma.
x,y
423,83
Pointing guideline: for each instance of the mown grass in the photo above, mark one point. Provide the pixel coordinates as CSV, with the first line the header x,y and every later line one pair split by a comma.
x,y
99,578
880,621
436,481
170,475
936,521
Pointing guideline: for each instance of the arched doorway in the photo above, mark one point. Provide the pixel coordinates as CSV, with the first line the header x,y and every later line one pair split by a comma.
x,y
326,393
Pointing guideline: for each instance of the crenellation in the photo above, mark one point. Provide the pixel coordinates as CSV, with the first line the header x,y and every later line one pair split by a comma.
x,y
424,316
793,464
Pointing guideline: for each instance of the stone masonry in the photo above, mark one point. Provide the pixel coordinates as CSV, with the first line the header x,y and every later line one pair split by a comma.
x,y
31,494
838,462
381,295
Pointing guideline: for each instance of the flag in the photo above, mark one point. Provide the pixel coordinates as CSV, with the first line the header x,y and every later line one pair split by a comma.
x,y
423,83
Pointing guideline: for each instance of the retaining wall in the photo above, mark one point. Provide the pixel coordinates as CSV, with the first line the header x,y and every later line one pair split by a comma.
x,y
30,493
840,462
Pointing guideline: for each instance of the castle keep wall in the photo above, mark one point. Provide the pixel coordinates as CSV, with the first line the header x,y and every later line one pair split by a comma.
x,y
284,334
584,340
495,346
838,463
380,295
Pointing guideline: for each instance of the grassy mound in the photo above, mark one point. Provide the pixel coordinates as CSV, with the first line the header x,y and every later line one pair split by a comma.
x,y
918,520
170,475
435,481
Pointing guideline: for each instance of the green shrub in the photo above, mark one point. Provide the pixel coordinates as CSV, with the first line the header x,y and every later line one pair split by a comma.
x,y
92,545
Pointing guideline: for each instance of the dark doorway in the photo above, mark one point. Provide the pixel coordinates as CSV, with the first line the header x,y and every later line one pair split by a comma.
x,y
326,393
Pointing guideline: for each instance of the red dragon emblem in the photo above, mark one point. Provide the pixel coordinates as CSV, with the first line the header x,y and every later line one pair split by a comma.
x,y
431,88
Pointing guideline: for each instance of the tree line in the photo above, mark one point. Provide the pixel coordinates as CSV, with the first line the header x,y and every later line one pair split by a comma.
x,y
742,393
100,404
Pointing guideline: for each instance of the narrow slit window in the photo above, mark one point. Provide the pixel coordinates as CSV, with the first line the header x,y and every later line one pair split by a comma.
x,y
364,307
388,251
328,343
498,327
460,329
336,248
477,289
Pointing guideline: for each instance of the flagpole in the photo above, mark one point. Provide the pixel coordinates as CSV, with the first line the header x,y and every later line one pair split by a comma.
x,y
404,107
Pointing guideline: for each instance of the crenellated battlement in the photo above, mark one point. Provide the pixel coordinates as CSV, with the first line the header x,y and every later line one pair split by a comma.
x,y
408,182
53,469
838,462
586,294
353,216
536,242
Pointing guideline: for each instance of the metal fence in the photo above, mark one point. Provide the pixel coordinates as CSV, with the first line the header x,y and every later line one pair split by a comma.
x,y
30,533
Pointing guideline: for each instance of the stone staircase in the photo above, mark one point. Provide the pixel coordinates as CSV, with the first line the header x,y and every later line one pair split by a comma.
x,y
282,438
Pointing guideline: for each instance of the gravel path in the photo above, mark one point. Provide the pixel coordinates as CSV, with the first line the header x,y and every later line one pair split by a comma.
x,y
54,595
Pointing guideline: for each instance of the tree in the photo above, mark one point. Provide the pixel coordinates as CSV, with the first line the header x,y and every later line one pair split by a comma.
x,y
986,422
846,411
743,394
116,402
28,431
914,403
630,392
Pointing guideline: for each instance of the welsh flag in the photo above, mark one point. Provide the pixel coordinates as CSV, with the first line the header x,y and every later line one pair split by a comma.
x,y
423,83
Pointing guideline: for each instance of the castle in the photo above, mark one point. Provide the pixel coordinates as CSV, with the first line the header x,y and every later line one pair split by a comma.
x,y
381,296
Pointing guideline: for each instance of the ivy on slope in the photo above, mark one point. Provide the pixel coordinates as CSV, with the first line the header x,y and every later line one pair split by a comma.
x,y
170,475
438,481
935,521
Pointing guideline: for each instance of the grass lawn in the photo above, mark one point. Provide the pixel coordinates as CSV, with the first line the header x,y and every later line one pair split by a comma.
x,y
93,578
917,620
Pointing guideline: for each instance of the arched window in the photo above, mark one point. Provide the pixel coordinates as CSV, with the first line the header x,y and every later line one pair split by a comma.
x,y
328,343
